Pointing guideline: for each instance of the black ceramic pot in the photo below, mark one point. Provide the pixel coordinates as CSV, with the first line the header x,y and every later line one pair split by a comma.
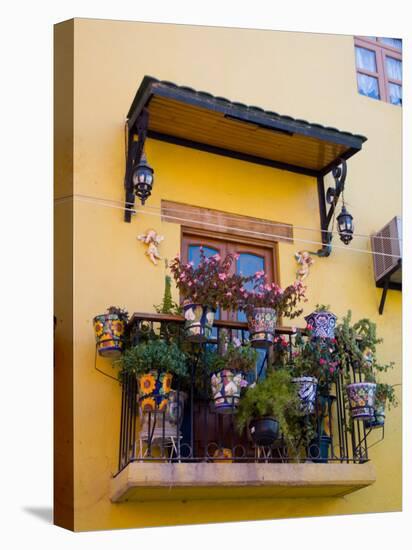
x,y
264,431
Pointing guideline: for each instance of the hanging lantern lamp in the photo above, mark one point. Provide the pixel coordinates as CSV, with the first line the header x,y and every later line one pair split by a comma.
x,y
142,178
345,225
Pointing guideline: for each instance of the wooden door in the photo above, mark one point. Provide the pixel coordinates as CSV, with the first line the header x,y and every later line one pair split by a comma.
x,y
253,256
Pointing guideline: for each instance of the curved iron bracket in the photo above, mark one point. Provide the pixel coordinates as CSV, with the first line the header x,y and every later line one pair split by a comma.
x,y
331,197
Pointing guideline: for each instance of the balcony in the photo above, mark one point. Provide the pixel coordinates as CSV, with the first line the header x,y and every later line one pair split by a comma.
x,y
203,456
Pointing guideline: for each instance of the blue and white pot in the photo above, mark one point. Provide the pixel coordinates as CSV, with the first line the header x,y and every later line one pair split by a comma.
x,y
323,323
307,390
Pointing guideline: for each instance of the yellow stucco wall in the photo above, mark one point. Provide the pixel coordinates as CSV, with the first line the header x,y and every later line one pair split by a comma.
x,y
306,76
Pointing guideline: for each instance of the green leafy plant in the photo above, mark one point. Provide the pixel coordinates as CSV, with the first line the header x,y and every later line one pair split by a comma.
x,y
385,394
168,306
120,312
356,344
241,357
357,347
277,396
153,355
238,358
322,307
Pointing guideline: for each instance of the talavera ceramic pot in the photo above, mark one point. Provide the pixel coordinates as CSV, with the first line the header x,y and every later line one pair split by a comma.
x,y
323,324
198,322
153,390
109,331
361,396
226,386
262,326
307,389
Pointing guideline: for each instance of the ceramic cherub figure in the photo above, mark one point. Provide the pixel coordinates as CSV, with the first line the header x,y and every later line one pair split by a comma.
x,y
152,240
305,260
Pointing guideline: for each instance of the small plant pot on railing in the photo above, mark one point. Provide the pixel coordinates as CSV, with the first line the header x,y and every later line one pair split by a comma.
x,y
323,324
173,417
226,386
264,431
262,326
318,450
109,329
198,322
378,420
153,390
361,396
307,390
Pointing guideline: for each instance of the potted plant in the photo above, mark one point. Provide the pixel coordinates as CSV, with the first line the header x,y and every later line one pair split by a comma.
x,y
265,303
321,322
109,329
203,289
361,397
228,374
154,363
315,366
385,396
268,408
318,448
168,305
357,352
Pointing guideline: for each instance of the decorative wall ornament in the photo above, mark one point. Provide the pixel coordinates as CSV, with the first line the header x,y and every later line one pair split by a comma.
x,y
152,240
305,260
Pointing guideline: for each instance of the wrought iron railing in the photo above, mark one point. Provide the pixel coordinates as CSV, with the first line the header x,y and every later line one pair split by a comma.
x,y
190,429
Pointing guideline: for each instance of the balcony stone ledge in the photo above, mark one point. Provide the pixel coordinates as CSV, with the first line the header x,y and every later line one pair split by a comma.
x,y
152,481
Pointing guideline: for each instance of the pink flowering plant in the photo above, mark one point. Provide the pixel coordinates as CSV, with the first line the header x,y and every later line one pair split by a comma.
x,y
210,283
271,295
316,357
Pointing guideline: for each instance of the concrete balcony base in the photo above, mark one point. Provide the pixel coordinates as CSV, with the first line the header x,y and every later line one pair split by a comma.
x,y
187,481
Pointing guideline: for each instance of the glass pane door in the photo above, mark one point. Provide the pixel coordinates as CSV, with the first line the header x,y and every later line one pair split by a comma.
x,y
251,260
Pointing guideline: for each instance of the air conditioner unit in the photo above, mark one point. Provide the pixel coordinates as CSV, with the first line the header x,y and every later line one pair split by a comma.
x,y
387,258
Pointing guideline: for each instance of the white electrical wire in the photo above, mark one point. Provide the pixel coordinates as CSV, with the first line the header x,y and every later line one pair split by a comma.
x,y
228,217
106,203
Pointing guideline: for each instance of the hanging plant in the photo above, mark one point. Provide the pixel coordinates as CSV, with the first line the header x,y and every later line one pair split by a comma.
x,y
109,329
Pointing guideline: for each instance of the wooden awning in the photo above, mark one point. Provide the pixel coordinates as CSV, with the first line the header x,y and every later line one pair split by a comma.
x,y
183,116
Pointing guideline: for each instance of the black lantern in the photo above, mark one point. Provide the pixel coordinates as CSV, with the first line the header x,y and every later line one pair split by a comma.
x,y
142,178
345,225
